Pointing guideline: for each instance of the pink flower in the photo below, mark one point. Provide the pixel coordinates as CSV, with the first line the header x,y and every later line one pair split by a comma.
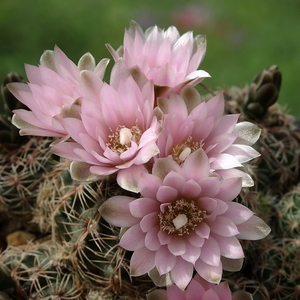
x,y
184,220
163,55
117,128
52,93
199,289
190,124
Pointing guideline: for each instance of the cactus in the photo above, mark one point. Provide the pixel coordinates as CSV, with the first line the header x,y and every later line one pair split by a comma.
x,y
23,162
277,169
288,210
271,267
40,272
72,253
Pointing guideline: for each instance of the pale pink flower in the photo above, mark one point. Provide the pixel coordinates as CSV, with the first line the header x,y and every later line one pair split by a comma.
x,y
163,56
52,93
117,128
190,124
185,219
199,289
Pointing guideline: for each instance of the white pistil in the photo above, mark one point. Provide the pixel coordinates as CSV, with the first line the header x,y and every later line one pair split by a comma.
x,y
125,136
185,153
180,221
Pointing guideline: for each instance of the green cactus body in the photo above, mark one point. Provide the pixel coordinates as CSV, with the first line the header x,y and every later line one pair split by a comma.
x,y
75,254
37,275
288,210
277,169
278,267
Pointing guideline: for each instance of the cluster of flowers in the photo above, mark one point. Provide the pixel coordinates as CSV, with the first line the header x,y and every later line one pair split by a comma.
x,y
149,128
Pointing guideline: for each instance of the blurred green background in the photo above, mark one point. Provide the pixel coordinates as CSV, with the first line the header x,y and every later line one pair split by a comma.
x,y
243,37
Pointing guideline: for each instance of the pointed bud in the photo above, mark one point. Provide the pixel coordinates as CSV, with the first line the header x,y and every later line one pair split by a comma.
x,y
263,93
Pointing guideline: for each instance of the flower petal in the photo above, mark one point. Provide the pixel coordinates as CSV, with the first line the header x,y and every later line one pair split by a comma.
x,y
232,265
116,211
210,273
230,188
139,265
164,260
196,166
223,226
151,239
248,133
230,247
210,252
128,178
143,206
253,229
133,238
177,245
182,273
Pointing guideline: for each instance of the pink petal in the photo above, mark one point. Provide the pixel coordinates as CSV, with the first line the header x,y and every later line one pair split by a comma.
x,y
174,293
230,189
182,273
242,153
191,189
210,252
80,171
164,237
151,239
149,221
203,230
208,204
210,273
194,291
215,106
223,291
142,261
206,185
133,238
195,239
196,166
247,181
164,260
143,206
223,226
177,245
191,254
210,294
163,166
128,179
230,247
225,161
148,185
238,213
174,180
66,150
253,229
116,211
226,123
166,194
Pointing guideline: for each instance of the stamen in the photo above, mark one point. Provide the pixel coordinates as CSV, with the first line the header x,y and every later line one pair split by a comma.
x,y
185,153
181,151
180,217
120,140
180,221
125,136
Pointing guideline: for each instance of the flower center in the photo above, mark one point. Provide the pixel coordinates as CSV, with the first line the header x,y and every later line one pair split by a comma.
x,y
181,217
182,151
120,140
